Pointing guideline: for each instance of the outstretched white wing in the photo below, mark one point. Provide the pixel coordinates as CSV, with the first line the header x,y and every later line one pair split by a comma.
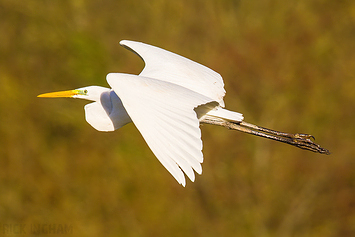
x,y
164,114
167,66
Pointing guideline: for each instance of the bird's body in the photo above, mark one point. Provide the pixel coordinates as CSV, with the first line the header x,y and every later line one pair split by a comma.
x,y
166,102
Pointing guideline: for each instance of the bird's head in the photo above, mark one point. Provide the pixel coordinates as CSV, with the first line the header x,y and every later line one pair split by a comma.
x,y
88,93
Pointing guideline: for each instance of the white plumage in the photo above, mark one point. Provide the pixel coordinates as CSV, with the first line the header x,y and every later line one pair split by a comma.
x,y
165,102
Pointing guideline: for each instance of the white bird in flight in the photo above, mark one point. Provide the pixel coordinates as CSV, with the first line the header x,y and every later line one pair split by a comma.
x,y
167,102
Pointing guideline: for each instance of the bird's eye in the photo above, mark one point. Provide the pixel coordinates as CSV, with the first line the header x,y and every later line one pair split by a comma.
x,y
85,91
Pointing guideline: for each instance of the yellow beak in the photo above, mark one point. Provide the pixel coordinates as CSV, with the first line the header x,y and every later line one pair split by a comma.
x,y
69,93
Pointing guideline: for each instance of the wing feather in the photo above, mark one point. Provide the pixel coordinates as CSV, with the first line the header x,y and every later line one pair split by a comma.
x,y
164,114
167,66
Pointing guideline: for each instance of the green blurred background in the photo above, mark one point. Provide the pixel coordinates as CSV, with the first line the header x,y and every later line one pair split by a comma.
x,y
287,65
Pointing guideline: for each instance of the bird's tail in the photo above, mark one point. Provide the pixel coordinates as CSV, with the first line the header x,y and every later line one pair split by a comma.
x,y
220,113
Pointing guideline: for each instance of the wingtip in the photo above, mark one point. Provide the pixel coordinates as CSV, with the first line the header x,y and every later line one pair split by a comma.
x,y
123,42
127,43
180,178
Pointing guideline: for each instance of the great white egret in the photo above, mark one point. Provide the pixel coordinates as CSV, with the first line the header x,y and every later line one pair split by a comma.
x,y
167,102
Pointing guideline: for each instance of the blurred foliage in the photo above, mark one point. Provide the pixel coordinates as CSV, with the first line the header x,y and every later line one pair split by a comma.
x,y
287,65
